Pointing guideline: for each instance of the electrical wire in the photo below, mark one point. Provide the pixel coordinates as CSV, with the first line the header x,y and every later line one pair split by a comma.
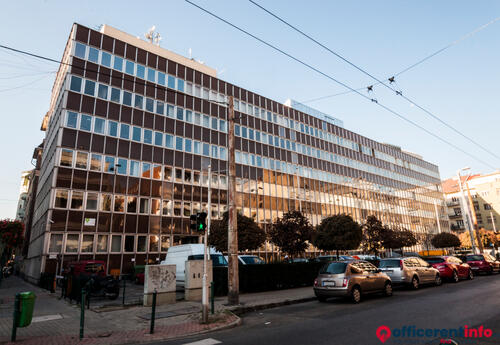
x,y
399,93
339,82
24,85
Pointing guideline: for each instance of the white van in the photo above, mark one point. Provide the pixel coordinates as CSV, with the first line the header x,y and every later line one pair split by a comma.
x,y
178,255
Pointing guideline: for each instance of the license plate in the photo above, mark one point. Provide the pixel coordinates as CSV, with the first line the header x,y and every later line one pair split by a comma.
x,y
475,268
328,283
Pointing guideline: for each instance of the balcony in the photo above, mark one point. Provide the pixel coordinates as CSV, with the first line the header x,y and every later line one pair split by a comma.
x,y
455,215
456,227
451,203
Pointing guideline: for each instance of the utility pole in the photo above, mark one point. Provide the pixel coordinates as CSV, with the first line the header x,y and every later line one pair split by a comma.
x,y
232,236
474,219
466,211
437,217
493,222
204,297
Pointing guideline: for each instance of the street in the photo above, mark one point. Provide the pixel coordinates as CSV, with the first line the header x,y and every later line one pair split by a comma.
x,y
467,303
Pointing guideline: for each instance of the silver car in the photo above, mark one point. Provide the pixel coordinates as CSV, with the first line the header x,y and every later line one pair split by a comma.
x,y
410,271
350,279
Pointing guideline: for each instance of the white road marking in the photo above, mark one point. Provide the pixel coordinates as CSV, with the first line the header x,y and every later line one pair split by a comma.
x,y
46,318
208,341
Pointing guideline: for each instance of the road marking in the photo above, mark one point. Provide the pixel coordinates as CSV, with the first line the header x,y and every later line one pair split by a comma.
x,y
46,318
208,341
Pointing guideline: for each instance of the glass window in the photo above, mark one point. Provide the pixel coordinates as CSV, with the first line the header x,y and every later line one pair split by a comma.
x,y
180,113
143,205
223,153
112,128
243,132
77,200
187,145
189,116
153,243
138,101
151,75
222,125
80,50
148,136
99,125
66,158
115,95
146,170
150,105
187,176
159,138
124,131
72,243
87,244
165,243
93,55
155,206
134,168
132,204
178,175
196,147
206,121
122,166
189,88
76,84
237,130
178,143
215,151
180,85
157,171
106,201
160,108
61,199
169,141
206,149
187,209
136,133
177,208
91,203
109,164
141,243
127,98
167,173
95,162
197,119
171,82
55,243
167,208
116,243
89,87
129,67
71,119
119,203
105,59
170,110
81,160
129,243
161,78
102,91
214,123
102,243
118,63
86,122
141,71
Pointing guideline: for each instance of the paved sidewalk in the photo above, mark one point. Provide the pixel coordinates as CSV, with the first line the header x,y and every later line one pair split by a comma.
x,y
57,321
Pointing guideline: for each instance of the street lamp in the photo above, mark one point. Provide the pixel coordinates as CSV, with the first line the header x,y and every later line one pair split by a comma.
x,y
465,207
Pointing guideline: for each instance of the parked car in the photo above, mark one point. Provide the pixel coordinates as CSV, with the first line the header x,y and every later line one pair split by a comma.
x,y
450,267
483,263
410,271
350,279
327,258
248,259
88,267
178,255
102,285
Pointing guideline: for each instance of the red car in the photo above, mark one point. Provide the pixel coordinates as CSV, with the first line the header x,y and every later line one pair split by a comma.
x,y
483,263
451,267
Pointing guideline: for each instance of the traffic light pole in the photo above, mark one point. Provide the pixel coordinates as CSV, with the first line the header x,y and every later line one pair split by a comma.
x,y
204,298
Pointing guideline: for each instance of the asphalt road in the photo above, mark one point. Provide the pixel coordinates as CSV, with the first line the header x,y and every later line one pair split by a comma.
x,y
450,306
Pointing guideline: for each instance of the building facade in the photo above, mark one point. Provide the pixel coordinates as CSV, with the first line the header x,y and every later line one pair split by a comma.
x,y
23,195
485,195
131,127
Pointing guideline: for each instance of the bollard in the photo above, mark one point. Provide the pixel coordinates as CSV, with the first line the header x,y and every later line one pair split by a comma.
x,y
17,304
124,284
82,313
153,311
212,297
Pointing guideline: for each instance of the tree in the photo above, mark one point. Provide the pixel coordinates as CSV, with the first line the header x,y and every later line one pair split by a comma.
x,y
11,237
373,232
426,240
338,232
398,238
445,240
291,233
250,235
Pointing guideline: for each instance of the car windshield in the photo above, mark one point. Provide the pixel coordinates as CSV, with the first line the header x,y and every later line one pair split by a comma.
x,y
475,258
333,268
434,260
251,260
389,263
217,259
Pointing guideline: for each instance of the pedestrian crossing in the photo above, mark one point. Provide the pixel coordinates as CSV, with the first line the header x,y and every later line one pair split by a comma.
x,y
207,341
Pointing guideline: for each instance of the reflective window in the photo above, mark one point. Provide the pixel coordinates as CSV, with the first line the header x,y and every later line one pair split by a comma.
x,y
140,71
87,244
91,203
138,101
180,113
136,133
170,110
155,206
146,170
143,205
158,138
129,67
178,143
177,208
161,78
77,200
95,162
116,243
180,85
124,131
206,149
109,164
119,203
171,82
151,75
76,84
81,160
72,243
102,243
129,243
80,50
214,123
115,95
134,168
89,87
66,158
153,243
167,173
187,145
167,208
112,128
189,116
55,243
122,166
71,119
197,119
127,98
222,125
178,175
148,136
196,147
132,204
169,141
85,122
93,55
206,121
150,105
61,200
102,91
99,125
106,201
157,172
141,243
105,59
118,63
160,108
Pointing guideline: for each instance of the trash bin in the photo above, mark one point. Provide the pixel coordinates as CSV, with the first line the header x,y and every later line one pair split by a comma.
x,y
26,306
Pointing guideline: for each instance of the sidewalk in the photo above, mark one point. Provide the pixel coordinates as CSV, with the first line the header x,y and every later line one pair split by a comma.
x,y
57,321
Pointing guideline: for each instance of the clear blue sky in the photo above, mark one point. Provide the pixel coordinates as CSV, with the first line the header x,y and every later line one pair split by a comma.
x,y
460,85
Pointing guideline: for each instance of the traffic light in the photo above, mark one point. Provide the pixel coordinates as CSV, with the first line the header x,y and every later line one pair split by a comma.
x,y
201,222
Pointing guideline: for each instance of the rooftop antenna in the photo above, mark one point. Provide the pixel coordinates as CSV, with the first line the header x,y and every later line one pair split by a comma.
x,y
152,36
190,51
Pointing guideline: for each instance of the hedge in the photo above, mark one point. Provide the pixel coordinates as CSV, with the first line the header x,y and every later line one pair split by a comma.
x,y
268,277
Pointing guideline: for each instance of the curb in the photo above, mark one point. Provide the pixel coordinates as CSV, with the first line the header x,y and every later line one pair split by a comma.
x,y
246,309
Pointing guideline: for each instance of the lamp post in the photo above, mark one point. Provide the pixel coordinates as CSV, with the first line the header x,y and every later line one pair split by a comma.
x,y
465,208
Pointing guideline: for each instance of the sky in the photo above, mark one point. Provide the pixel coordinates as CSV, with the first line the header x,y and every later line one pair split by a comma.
x,y
459,85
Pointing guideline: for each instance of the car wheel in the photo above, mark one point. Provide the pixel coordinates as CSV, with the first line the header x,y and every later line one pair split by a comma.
x,y
388,289
356,294
437,280
415,283
470,276
322,298
454,277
